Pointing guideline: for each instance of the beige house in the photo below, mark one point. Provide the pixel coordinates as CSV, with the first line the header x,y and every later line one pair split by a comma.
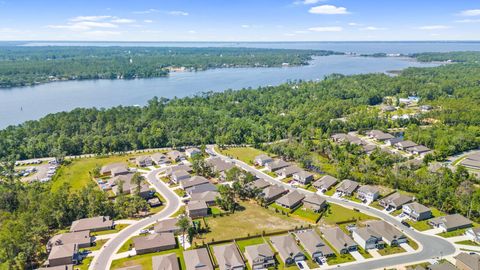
x,y
228,257
165,262
197,259
197,209
260,256
100,223
154,243
63,255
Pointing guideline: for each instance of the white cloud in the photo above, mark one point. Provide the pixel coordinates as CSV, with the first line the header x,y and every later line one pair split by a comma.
x,y
83,26
90,18
353,24
373,28
308,2
434,27
328,9
192,32
470,12
147,21
148,11
326,29
120,20
178,13
101,34
468,21
245,26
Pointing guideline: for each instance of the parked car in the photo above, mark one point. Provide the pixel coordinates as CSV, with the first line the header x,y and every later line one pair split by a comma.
x,y
300,265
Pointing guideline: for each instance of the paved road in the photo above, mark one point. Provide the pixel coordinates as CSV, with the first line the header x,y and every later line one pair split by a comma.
x,y
104,258
430,246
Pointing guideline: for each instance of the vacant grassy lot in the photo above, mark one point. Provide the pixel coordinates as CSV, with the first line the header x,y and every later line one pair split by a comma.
x,y
145,260
251,221
245,154
339,214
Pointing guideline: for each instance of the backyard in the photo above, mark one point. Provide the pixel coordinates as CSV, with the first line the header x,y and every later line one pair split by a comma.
x,y
338,214
245,154
145,260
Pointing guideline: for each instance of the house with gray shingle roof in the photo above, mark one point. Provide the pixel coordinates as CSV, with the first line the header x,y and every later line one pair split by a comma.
x,y
197,209
313,244
179,175
167,225
63,255
262,160
288,171
165,262
451,222
291,200
303,177
144,161
402,145
389,233
260,256
395,201
114,169
272,193
465,261
368,193
276,165
197,259
228,257
314,202
81,238
340,241
259,183
347,187
325,183
368,238
379,135
287,248
208,196
194,181
154,243
93,224
417,211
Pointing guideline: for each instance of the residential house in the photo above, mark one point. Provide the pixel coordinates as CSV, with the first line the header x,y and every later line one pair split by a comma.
x,y
208,196
325,183
393,141
165,262
144,161
194,181
340,241
154,243
303,177
442,266
451,222
474,234
114,169
465,261
197,259
160,159
288,171
368,238
276,165
259,184
368,193
60,267
287,249
132,267
179,175
416,211
418,150
170,170
128,187
175,155
167,226
347,187
228,257
389,233
395,201
82,239
379,135
63,255
219,165
201,188
314,202
93,224
260,256
313,244
346,138
191,152
403,145
291,200
262,160
369,148
197,209
272,193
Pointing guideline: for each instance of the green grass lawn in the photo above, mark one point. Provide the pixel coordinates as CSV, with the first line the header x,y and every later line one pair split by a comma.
x,y
214,210
145,260
98,244
330,192
253,220
412,243
245,154
453,233
376,205
364,253
468,243
389,250
180,192
180,211
128,244
84,265
307,214
339,214
419,225
340,258
353,199
118,228
249,242
280,208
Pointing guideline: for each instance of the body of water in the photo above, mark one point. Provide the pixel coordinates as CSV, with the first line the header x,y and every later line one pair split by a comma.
x,y
27,103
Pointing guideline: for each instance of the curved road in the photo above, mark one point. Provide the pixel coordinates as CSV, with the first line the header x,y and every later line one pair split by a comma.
x,y
104,258
430,246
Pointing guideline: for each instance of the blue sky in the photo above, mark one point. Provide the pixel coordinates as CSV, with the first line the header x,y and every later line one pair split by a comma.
x,y
240,20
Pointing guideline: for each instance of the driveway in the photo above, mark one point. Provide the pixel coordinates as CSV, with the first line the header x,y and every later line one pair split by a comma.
x,y
107,253
435,246
358,257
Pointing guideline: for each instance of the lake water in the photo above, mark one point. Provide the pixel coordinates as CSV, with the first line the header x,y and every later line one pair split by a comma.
x,y
27,103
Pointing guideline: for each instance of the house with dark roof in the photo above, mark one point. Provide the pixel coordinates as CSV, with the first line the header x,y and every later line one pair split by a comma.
x,y
403,145
288,171
228,257
197,209
262,160
442,266
165,262
393,141
287,248
259,183
154,243
160,159
416,211
395,201
260,256
128,187
82,239
451,222
291,200
63,255
219,165
347,187
276,165
114,169
93,224
368,193
465,261
313,244
303,177
179,175
144,161
325,183
194,181
390,235
272,193
340,241
167,226
418,150
314,202
175,155
197,259
201,188
368,238
209,197
172,169
379,135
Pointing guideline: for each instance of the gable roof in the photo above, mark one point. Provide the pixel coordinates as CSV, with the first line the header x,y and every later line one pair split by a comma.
x,y
291,199
63,251
384,229
80,238
257,253
325,182
418,208
314,199
470,260
272,191
397,199
366,233
347,186
263,157
180,173
277,164
158,157
312,242
201,188
196,205
114,167
154,240
303,174
207,196
337,238
368,189
197,259
443,266
405,144
228,256
166,225
194,181
219,165
290,170
91,223
452,221
170,170
165,262
260,183
286,246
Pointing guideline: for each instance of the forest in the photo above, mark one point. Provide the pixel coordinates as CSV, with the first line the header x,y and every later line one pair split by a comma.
x,y
23,66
